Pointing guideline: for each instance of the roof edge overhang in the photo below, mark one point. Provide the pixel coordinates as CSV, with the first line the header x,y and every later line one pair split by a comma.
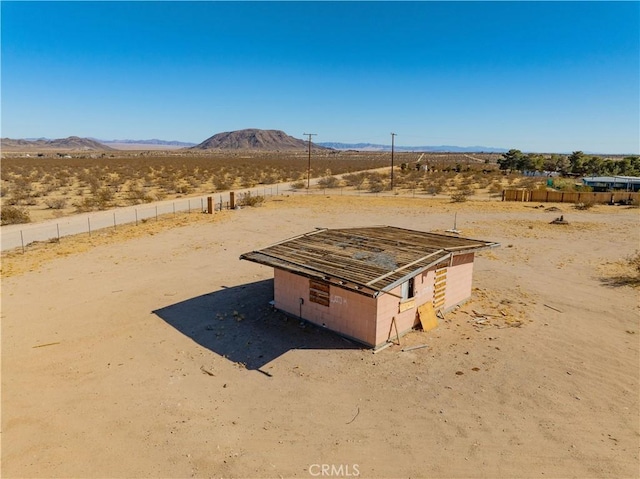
x,y
410,275
424,268
309,273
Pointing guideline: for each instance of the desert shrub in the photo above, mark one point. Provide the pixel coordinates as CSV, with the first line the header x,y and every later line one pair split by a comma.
x,y
532,183
570,185
137,195
183,189
459,196
329,182
11,215
222,182
298,185
84,205
247,199
248,182
432,187
634,262
376,185
56,203
495,188
584,205
354,179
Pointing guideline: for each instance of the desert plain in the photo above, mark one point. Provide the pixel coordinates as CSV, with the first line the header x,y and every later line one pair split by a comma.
x,y
152,351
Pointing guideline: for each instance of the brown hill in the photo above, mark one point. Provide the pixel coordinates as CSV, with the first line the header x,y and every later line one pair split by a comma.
x,y
70,143
254,139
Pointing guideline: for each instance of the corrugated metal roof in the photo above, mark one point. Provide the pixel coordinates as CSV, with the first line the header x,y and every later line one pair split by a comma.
x,y
369,260
611,179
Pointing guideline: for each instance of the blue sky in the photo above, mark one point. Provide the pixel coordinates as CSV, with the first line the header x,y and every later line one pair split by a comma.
x,y
537,76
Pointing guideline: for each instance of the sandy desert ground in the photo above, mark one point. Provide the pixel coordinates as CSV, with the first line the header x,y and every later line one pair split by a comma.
x,y
151,351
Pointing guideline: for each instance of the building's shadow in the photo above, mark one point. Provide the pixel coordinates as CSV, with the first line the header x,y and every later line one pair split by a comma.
x,y
239,324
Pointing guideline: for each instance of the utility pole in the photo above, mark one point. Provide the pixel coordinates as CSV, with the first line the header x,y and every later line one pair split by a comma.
x,y
309,164
392,137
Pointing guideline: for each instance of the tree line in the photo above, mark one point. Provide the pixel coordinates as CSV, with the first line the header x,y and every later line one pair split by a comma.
x,y
577,163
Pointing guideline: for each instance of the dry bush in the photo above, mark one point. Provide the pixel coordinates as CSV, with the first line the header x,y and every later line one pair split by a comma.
x,y
432,187
459,196
584,205
376,182
329,182
532,182
247,199
355,180
11,215
298,185
495,188
136,195
56,203
634,262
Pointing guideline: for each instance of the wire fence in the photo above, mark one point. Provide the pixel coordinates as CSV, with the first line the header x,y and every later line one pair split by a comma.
x,y
20,236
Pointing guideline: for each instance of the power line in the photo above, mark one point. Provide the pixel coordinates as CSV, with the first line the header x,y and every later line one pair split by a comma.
x,y
309,164
392,143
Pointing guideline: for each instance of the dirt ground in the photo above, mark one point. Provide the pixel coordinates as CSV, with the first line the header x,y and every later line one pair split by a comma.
x,y
152,351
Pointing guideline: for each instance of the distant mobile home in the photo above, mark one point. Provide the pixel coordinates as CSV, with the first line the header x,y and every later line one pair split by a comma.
x,y
368,283
611,183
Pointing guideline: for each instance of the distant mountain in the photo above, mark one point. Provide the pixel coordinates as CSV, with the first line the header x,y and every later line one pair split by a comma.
x,y
154,141
70,143
254,139
443,148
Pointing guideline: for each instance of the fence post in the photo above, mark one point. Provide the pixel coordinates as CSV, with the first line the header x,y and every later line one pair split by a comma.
x,y
22,241
58,229
136,216
174,207
114,220
209,205
232,199
189,206
201,204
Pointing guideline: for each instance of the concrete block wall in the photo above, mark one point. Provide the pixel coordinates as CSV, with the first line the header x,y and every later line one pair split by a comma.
x,y
348,313
367,319
459,280
389,306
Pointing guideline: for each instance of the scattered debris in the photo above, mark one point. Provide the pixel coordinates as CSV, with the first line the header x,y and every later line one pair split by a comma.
x,y
354,417
459,373
559,221
551,307
404,350
206,371
376,351
48,344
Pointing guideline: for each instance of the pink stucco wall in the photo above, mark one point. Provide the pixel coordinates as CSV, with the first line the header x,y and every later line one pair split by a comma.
x,y
369,319
348,313
459,280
